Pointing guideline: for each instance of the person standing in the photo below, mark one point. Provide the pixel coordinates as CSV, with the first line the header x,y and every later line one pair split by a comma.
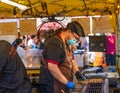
x,y
13,76
20,50
111,50
32,42
58,65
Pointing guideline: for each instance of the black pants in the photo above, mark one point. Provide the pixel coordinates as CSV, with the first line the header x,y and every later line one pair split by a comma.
x,y
46,81
110,59
45,89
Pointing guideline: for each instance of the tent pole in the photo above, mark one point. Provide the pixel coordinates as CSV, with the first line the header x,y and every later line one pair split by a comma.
x,y
118,43
91,25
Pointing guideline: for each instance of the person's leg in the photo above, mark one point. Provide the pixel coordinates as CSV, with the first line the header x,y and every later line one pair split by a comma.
x,y
113,60
108,62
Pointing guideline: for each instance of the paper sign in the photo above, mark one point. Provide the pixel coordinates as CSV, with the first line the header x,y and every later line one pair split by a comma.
x,y
8,28
28,27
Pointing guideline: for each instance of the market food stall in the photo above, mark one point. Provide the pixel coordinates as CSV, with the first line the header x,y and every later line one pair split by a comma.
x,y
96,16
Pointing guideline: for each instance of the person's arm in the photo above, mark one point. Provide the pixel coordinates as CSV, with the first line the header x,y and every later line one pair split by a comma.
x,y
57,74
53,46
75,66
55,71
76,71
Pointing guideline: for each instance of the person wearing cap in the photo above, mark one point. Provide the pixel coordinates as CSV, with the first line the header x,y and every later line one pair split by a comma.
x,y
58,65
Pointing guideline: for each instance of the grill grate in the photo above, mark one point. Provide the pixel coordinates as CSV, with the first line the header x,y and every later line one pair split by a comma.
x,y
114,90
94,88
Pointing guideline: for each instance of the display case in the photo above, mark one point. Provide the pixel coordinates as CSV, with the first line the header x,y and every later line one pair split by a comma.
x,y
31,60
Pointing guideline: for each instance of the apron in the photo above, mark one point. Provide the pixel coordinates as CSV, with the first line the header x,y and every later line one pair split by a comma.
x,y
66,69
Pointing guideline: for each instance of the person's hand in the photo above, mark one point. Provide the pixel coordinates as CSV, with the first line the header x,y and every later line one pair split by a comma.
x,y
80,76
70,85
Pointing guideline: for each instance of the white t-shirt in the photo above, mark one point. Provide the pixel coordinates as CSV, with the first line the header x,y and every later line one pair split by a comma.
x,y
31,44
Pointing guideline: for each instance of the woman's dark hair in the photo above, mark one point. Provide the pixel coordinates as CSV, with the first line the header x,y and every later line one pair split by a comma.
x,y
24,37
6,48
17,42
33,36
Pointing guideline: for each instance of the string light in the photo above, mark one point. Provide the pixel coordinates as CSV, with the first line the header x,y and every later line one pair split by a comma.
x,y
118,6
117,12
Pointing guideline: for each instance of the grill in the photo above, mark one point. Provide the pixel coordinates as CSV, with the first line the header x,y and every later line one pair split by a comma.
x,y
94,86
114,90
113,82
